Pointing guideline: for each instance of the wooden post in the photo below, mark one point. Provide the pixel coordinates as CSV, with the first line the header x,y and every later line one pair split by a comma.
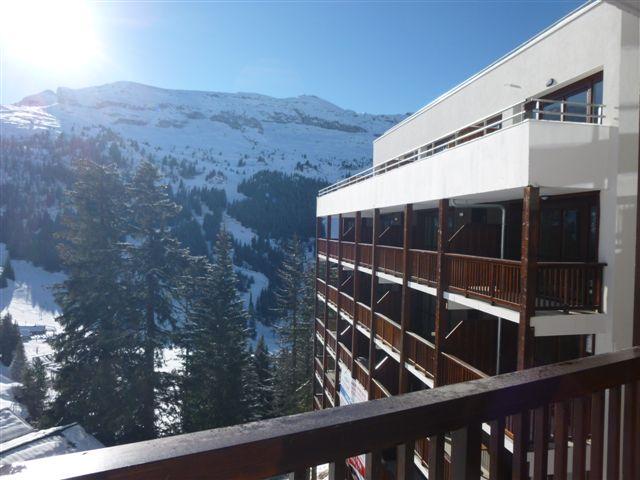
x,y
441,284
373,465
374,288
404,460
528,270
326,314
405,314
336,395
315,307
338,470
636,303
356,289
465,452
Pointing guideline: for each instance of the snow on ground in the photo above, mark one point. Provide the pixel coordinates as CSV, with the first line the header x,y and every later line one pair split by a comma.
x,y
241,233
6,392
29,299
269,334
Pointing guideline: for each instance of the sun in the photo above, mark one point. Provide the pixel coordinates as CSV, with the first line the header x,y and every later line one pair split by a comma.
x,y
52,35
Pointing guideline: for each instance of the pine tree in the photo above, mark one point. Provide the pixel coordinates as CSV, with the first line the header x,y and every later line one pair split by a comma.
x,y
33,392
7,273
158,264
19,363
294,329
94,350
9,339
218,379
264,380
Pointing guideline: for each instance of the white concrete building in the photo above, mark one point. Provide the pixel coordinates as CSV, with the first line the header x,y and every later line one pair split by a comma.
x,y
496,228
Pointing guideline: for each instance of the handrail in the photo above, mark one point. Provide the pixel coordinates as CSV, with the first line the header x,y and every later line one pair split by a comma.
x,y
290,444
483,259
481,127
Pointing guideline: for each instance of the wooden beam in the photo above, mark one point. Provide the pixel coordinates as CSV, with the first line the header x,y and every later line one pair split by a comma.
x,y
325,354
441,284
404,461
356,289
374,288
528,270
405,313
465,452
315,306
336,393
636,303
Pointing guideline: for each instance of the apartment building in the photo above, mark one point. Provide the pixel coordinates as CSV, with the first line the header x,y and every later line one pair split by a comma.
x,y
495,230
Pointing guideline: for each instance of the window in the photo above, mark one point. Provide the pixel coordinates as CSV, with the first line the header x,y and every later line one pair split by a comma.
x,y
572,102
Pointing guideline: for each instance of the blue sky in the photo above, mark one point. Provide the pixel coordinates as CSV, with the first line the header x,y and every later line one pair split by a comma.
x,y
378,57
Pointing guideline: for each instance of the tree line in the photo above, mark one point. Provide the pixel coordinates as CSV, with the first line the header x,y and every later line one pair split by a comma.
x,y
133,294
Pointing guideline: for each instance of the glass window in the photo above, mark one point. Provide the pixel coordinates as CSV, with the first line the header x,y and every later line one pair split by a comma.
x,y
552,111
570,233
576,97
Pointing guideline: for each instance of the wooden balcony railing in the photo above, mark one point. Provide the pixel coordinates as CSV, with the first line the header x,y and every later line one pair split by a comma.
x,y
455,370
322,246
290,444
361,373
330,383
365,254
348,251
390,260
363,315
344,354
378,390
347,304
492,279
331,341
564,286
423,266
419,353
332,293
317,401
422,451
560,285
388,331
318,367
320,327
333,248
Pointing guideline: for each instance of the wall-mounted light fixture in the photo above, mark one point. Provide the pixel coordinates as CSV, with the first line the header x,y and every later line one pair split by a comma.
x,y
551,82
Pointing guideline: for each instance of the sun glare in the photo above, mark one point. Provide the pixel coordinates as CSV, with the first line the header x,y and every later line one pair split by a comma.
x,y
51,35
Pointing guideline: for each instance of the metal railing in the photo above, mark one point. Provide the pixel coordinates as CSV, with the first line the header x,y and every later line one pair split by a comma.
x,y
535,108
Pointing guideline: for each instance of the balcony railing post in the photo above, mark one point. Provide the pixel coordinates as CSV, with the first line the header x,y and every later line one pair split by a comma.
x,y
465,452
326,313
374,288
338,306
338,470
528,270
373,464
405,312
404,460
441,282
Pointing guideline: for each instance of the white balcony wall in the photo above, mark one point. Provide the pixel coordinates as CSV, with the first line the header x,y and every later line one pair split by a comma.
x,y
586,42
561,156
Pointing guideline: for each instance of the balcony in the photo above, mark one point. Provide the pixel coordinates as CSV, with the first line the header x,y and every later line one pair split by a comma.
x,y
520,147
561,286
537,402
420,353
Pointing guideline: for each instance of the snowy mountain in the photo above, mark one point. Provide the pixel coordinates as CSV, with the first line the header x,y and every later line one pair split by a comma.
x,y
235,134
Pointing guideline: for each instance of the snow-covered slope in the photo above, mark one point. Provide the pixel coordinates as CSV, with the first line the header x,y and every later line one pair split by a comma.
x,y
236,133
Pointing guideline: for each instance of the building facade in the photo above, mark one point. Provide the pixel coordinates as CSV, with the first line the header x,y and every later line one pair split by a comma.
x,y
496,228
